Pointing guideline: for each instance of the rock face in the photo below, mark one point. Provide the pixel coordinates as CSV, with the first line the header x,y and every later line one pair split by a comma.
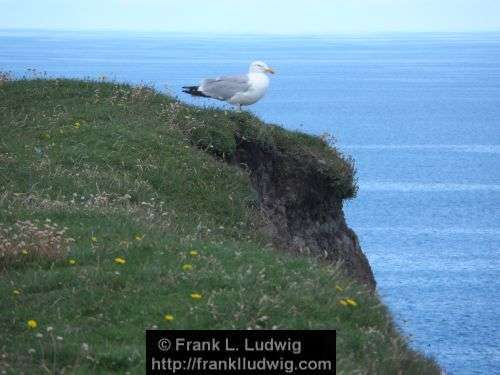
x,y
304,213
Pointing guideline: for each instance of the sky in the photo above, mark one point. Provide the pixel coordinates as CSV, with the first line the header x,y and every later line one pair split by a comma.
x,y
253,16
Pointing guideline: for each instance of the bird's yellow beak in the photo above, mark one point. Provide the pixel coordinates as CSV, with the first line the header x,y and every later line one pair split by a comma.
x,y
269,70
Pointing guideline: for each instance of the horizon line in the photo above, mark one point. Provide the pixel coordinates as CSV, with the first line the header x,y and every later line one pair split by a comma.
x,y
248,33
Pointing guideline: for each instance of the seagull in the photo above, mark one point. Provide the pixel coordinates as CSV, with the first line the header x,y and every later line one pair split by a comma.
x,y
239,90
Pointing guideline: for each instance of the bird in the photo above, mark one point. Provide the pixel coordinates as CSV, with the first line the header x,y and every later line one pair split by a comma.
x,y
240,90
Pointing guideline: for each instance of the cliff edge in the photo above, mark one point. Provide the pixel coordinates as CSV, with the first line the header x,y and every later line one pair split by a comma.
x,y
303,210
301,182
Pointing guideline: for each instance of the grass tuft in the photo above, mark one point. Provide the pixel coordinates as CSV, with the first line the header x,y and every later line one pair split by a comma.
x,y
26,242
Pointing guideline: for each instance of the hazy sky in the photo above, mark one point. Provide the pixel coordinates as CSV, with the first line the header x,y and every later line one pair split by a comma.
x,y
254,16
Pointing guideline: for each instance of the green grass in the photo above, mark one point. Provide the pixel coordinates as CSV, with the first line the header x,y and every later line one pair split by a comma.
x,y
137,175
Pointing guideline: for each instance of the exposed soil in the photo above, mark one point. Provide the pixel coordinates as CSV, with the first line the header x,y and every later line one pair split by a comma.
x,y
303,210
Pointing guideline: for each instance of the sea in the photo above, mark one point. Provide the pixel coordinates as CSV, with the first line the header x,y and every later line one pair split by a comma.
x,y
419,113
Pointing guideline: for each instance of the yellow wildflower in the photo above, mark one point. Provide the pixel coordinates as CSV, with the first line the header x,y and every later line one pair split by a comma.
x,y
193,253
138,237
24,252
77,125
351,302
93,239
187,267
120,260
168,317
343,303
196,296
32,324
16,292
72,262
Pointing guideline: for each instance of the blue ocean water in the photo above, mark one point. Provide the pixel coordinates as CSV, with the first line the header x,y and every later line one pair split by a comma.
x,y
420,114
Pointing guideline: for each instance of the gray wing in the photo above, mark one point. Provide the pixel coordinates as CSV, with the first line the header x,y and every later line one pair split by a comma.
x,y
225,87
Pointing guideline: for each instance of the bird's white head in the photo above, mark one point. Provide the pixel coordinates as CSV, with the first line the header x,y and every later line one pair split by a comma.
x,y
260,67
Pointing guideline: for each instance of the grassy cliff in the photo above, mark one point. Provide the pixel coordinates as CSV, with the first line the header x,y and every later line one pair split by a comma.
x,y
119,211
